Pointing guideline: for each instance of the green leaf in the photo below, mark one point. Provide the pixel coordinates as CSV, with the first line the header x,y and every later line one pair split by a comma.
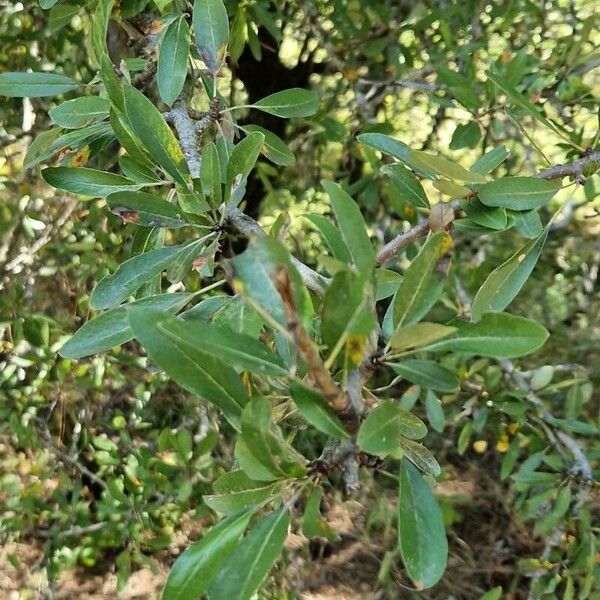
x,y
79,112
233,348
295,102
35,85
88,182
242,160
99,28
211,28
210,175
315,410
172,60
408,185
352,226
40,148
421,533
245,569
451,188
418,335
145,209
486,216
505,282
517,193
111,328
490,160
196,371
131,274
255,269
274,148
386,144
256,492
421,285
435,411
522,102
428,374
150,127
313,524
420,456
527,223
137,170
331,235
196,567
494,594
387,283
465,136
380,432
445,167
497,335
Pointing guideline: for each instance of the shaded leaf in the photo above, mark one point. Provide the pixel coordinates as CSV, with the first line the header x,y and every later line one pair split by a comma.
x,y
295,102
427,374
316,411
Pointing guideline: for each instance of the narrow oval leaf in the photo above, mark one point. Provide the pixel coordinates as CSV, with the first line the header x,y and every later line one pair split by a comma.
x,y
517,193
497,335
35,85
79,112
418,290
418,335
465,136
274,148
235,500
421,532
198,372
246,568
211,29
527,223
428,374
232,347
387,144
380,432
152,130
295,102
407,184
111,328
420,456
314,408
145,209
486,216
387,283
331,235
88,182
490,160
195,568
172,60
352,226
242,160
99,28
131,274
444,167
505,282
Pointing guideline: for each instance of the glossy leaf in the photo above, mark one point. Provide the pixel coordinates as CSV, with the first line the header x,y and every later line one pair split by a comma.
x,y
35,85
233,348
421,532
517,193
211,29
145,209
195,568
79,112
490,160
88,182
295,102
111,328
497,335
196,371
246,568
407,184
418,335
380,432
131,274
274,148
156,136
428,374
352,226
315,410
172,60
445,167
505,282
417,292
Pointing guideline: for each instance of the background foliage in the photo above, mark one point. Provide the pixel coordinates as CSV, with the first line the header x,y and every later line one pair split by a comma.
x,y
108,466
